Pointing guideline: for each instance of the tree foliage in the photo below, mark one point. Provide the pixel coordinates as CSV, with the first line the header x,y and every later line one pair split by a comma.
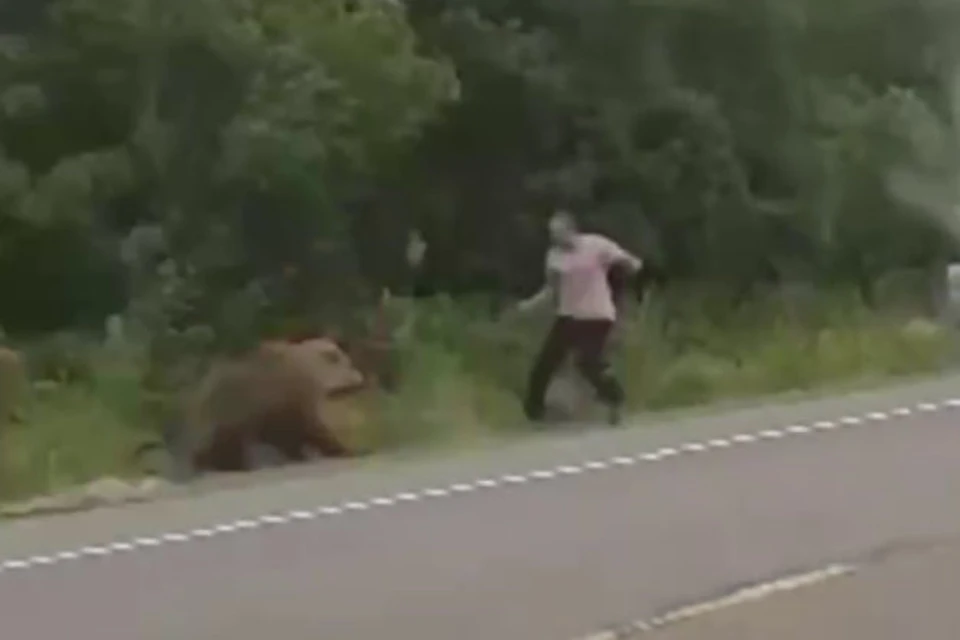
x,y
241,164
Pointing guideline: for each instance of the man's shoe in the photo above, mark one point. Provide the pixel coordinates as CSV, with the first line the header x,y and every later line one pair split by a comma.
x,y
535,416
614,415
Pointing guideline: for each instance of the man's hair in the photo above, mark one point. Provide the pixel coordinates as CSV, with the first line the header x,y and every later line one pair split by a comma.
x,y
564,215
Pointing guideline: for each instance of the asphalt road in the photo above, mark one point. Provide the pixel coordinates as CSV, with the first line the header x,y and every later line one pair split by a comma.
x,y
548,540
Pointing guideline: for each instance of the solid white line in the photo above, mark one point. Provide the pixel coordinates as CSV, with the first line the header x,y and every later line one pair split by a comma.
x,y
618,461
753,593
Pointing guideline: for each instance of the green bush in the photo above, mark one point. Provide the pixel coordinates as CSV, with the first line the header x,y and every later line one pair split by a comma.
x,y
63,356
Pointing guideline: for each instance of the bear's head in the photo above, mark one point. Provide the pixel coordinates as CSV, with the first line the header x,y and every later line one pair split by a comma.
x,y
330,365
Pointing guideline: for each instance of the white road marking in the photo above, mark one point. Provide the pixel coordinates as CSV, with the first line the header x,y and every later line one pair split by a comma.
x,y
753,593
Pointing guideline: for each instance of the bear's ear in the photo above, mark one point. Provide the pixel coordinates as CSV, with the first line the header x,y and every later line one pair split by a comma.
x,y
336,337
306,334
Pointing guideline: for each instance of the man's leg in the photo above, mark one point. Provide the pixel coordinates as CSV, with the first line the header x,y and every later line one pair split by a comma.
x,y
552,354
591,338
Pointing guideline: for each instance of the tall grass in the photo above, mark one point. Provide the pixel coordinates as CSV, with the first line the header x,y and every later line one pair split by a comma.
x,y
463,372
74,427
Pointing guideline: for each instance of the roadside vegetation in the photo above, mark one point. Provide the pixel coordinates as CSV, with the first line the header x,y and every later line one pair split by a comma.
x,y
461,379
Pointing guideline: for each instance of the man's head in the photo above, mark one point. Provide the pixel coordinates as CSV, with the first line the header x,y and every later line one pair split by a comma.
x,y
562,227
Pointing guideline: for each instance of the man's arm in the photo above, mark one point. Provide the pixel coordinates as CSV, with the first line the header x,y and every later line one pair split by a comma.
x,y
547,293
614,254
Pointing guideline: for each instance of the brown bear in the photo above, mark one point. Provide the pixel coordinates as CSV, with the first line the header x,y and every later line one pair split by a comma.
x,y
273,396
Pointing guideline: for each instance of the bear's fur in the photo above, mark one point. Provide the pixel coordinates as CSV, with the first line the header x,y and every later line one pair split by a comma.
x,y
273,396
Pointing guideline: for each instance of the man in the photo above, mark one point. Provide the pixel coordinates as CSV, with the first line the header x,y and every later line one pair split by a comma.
x,y
577,266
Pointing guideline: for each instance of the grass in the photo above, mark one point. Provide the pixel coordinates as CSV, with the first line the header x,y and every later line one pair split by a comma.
x,y
463,373
73,431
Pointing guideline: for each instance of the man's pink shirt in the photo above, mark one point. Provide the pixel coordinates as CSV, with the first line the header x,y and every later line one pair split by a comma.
x,y
581,275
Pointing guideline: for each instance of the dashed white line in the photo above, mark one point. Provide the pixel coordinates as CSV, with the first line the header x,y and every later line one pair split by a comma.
x,y
250,524
459,488
175,537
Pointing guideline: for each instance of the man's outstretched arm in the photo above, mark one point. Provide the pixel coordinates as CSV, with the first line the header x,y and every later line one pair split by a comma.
x,y
614,254
547,293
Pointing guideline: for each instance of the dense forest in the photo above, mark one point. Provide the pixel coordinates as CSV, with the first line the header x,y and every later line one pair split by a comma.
x,y
291,145
223,169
